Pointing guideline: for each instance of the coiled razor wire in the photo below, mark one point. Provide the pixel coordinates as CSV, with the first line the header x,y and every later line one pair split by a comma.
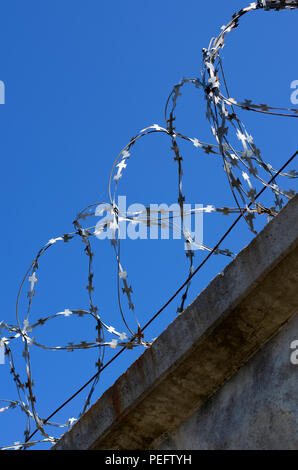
x,y
242,169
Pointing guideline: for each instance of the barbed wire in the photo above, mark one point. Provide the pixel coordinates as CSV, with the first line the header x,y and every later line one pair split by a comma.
x,y
168,301
242,169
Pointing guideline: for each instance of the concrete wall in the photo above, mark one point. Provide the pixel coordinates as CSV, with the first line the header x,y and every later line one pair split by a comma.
x,y
224,345
256,409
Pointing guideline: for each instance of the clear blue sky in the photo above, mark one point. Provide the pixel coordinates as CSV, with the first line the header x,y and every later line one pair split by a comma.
x,y
81,79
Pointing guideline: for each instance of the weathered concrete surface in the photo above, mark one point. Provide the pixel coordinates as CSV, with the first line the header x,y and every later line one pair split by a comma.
x,y
240,310
256,409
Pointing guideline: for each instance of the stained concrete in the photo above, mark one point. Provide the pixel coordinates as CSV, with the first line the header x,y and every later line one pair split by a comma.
x,y
204,347
256,409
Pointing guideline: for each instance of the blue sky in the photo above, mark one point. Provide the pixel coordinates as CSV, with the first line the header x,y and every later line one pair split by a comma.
x,y
82,78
